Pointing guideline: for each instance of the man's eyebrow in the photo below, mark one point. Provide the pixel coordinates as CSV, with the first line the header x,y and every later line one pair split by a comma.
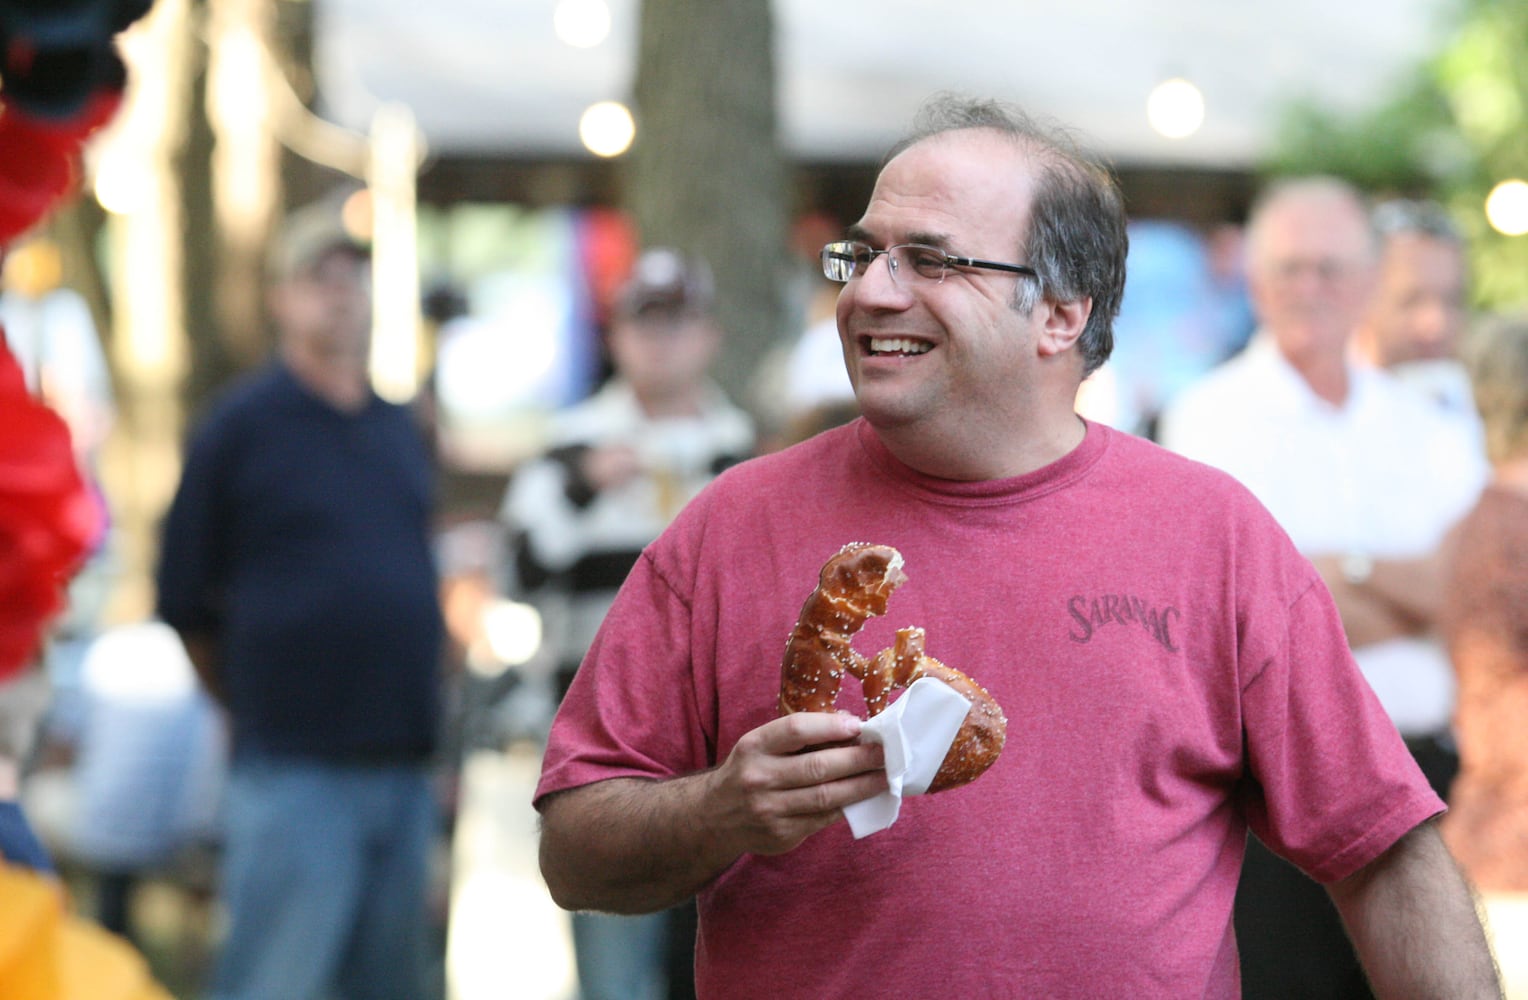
x,y
860,234
940,240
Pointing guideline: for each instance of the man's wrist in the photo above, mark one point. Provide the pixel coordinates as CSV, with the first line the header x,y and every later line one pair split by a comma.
x,y
1356,567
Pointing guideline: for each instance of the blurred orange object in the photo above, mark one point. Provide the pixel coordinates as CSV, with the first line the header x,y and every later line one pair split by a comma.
x,y
49,954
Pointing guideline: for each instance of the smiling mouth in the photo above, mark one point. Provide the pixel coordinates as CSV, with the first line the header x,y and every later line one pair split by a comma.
x,y
884,346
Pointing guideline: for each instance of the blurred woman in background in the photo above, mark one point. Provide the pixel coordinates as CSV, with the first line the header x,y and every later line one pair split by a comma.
x,y
1485,622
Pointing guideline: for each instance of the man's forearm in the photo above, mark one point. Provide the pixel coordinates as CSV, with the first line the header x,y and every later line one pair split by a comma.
x,y
1412,919
629,845
1399,597
1414,587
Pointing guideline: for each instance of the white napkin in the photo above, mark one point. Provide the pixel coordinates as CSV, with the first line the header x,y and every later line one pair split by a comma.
x,y
916,730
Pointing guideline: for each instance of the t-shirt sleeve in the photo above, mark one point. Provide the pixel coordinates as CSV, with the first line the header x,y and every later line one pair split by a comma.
x,y
634,709
1330,783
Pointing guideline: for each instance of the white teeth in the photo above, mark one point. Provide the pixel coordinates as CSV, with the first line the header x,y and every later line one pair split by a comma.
x,y
898,345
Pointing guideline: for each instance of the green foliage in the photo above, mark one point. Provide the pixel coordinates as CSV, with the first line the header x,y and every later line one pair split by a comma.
x,y
1453,131
1396,148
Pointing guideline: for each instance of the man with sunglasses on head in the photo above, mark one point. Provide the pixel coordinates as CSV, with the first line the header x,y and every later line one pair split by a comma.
x,y
1172,671
1415,322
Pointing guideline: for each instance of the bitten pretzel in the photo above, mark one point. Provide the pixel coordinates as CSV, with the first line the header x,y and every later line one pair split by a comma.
x,y
853,587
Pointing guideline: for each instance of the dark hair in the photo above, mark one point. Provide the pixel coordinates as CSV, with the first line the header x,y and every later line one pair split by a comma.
x,y
1077,239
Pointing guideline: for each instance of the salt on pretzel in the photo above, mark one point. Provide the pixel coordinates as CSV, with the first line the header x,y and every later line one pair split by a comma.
x,y
853,587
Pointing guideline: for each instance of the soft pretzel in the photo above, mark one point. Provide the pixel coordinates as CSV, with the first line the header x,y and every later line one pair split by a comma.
x,y
854,586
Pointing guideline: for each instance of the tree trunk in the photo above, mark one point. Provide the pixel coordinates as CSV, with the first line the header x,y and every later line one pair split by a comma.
x,y
706,173
147,247
210,361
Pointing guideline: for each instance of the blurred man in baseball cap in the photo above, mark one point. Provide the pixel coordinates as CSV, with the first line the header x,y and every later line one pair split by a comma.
x,y
297,564
617,468
664,280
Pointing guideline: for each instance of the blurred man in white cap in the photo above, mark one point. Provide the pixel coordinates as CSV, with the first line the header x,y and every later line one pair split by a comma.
x,y
617,468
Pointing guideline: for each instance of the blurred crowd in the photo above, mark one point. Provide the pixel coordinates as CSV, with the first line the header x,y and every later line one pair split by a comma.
x,y
282,740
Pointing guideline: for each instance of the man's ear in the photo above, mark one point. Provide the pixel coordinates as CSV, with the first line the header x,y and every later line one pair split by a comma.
x,y
1063,325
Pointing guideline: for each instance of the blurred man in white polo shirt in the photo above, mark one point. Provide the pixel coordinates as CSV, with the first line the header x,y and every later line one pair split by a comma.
x,y
1367,476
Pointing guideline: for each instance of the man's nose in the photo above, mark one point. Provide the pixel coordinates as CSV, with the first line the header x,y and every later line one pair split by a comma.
x,y
880,281
1437,322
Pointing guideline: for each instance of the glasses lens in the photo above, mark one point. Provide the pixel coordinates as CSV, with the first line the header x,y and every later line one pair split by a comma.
x,y
839,261
927,261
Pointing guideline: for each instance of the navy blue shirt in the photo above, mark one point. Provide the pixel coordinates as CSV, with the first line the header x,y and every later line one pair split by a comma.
x,y
299,542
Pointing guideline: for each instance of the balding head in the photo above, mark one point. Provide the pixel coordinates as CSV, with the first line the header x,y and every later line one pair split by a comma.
x,y
1310,264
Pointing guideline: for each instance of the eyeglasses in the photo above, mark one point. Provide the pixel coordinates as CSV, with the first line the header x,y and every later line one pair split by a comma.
x,y
845,259
1326,270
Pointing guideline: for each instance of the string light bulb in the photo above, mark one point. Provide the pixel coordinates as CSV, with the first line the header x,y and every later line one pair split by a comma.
x,y
1175,108
607,129
1507,207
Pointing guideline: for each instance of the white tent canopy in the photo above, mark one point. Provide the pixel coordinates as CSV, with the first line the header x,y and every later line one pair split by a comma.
x,y
491,77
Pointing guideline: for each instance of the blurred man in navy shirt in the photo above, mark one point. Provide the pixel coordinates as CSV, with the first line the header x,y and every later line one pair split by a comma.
x,y
297,567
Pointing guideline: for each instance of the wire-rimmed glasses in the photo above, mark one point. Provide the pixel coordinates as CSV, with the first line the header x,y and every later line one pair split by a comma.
x,y
846,259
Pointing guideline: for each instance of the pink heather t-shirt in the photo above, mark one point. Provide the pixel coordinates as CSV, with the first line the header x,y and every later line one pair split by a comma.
x,y
1171,669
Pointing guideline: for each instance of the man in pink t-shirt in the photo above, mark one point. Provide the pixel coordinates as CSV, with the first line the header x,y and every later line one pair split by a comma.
x,y
1173,672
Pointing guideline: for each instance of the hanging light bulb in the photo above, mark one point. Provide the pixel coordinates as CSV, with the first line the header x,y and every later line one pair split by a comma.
x,y
606,129
1507,207
1175,108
